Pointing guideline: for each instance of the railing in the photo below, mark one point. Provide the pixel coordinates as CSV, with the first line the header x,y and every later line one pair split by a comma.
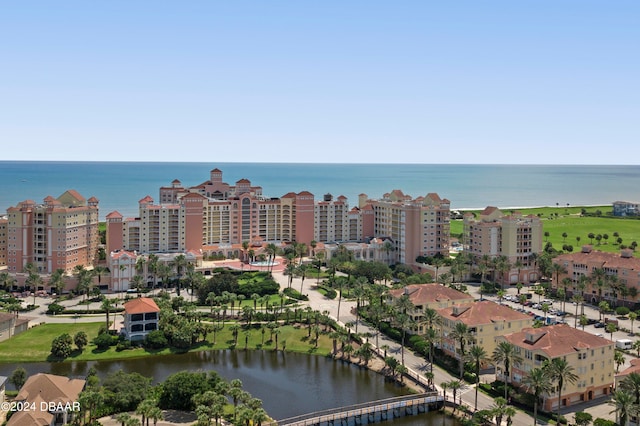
x,y
357,410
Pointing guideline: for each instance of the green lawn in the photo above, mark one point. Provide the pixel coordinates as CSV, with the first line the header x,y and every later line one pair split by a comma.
x,y
34,345
570,222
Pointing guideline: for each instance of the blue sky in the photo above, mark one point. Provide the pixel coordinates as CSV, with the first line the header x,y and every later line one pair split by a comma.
x,y
534,82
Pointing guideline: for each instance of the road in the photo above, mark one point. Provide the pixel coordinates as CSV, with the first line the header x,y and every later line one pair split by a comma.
x,y
416,364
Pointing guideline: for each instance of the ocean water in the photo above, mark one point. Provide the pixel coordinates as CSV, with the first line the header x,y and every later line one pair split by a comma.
x,y
119,185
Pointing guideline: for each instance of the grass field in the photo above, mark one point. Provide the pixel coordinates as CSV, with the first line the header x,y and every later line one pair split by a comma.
x,y
34,345
570,222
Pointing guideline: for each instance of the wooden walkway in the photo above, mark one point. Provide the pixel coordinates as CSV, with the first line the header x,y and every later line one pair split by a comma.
x,y
368,412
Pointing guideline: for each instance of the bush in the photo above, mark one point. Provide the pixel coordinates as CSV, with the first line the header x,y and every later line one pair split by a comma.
x,y
123,345
622,311
603,422
104,341
294,294
155,340
55,309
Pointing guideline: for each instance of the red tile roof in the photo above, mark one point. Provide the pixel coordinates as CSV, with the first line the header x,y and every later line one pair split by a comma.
x,y
422,294
556,340
485,312
141,305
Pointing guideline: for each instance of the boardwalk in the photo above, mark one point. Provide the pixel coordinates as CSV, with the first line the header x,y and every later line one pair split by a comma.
x,y
369,412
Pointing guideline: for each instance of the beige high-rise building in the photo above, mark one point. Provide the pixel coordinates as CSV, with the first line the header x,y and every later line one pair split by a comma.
x,y
60,233
416,227
516,237
331,220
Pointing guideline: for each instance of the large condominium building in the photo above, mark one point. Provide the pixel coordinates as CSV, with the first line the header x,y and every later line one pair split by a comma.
x,y
60,233
331,222
416,227
516,237
213,213
3,241
485,321
590,356
216,217
600,276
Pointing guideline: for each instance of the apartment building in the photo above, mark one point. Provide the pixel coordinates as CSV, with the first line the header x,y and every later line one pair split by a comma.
x,y
3,241
59,233
485,320
428,296
514,236
620,280
212,213
590,356
331,220
416,227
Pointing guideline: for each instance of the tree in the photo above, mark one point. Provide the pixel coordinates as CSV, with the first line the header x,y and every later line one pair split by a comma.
x,y
498,409
477,355
618,359
179,388
124,391
624,406
81,340
18,377
631,384
561,371
144,408
462,334
505,354
538,382
61,346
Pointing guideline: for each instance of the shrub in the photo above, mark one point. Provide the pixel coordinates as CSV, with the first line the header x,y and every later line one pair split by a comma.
x,y
294,294
622,311
155,340
603,422
81,340
123,345
104,341
55,309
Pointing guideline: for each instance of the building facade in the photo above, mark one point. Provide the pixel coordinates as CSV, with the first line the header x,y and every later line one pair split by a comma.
x,y
485,320
428,296
415,227
141,317
515,237
60,233
217,217
625,208
597,275
590,356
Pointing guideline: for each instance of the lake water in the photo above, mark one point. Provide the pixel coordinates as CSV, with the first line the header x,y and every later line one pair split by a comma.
x,y
288,384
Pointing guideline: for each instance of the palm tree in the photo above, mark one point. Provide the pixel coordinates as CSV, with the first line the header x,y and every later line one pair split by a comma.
x,y
624,405
153,262
538,382
477,355
577,300
498,409
455,386
462,334
561,371
631,384
505,354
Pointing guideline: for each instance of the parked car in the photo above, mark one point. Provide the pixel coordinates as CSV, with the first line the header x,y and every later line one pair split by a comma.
x,y
599,325
536,306
561,313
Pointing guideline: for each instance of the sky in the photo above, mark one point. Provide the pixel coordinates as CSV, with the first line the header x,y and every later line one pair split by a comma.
x,y
511,82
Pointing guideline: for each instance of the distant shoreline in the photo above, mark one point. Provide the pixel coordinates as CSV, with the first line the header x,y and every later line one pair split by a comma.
x,y
532,207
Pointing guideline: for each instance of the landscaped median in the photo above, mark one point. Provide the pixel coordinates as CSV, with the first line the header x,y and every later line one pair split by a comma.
x,y
34,345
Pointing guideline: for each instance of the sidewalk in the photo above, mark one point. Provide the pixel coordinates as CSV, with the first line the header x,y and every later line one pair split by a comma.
x,y
416,364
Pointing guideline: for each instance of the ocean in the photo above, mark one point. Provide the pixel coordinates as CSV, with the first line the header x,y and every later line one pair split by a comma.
x,y
119,185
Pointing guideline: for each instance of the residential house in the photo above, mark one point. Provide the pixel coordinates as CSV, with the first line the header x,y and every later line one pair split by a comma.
x,y
54,399
590,356
485,321
141,316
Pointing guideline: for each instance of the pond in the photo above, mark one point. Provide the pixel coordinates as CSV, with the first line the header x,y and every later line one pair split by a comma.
x,y
289,384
